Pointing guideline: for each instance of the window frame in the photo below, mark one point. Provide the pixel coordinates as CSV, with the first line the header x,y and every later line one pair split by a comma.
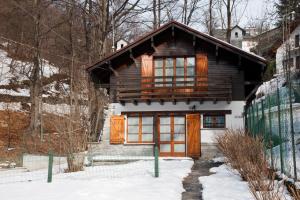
x,y
174,82
214,125
140,129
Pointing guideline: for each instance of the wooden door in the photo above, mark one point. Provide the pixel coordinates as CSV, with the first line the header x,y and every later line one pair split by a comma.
x,y
117,129
193,135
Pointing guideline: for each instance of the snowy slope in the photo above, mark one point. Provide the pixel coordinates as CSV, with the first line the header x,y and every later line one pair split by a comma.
x,y
13,77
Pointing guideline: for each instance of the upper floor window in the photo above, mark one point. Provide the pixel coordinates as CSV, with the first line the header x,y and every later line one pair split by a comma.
x,y
179,71
236,34
296,40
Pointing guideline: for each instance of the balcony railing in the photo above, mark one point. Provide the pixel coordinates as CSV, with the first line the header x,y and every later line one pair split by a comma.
x,y
170,88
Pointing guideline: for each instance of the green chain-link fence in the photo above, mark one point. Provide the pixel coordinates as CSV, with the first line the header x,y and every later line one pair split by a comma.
x,y
270,117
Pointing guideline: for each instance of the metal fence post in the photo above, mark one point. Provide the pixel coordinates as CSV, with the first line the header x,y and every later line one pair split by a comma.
x,y
279,130
50,166
263,123
270,133
156,150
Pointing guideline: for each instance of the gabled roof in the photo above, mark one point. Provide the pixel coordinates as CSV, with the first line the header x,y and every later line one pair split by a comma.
x,y
184,28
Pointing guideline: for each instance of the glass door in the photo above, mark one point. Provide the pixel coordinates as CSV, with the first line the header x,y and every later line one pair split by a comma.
x,y
172,135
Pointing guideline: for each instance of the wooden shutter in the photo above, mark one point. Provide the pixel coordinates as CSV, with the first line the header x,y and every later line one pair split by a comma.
x,y
146,71
117,129
202,71
193,135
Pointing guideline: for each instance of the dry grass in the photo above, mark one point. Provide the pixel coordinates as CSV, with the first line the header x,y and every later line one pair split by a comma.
x,y
246,154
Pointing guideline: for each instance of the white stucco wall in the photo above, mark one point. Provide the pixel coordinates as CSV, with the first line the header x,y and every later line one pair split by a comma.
x,y
247,45
233,120
281,51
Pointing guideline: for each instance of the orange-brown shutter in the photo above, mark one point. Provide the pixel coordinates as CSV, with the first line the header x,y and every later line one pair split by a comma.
x,y
202,71
193,135
146,73
117,129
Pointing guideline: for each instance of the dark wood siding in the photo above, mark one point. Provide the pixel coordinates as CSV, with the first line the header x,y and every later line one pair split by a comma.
x,y
225,65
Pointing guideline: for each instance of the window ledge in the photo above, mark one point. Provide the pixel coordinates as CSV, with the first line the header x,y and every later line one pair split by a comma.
x,y
135,143
214,128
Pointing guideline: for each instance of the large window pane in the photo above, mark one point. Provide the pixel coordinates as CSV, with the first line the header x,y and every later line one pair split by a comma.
x,y
180,71
165,137
190,71
165,148
158,64
165,120
133,120
179,148
179,120
169,71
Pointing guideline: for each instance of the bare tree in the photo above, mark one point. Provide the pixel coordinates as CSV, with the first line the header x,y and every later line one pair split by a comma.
x,y
230,7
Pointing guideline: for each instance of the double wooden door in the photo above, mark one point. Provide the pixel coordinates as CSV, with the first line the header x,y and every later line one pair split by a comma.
x,y
179,135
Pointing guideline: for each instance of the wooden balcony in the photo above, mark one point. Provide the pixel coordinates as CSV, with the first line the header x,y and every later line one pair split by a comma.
x,y
163,89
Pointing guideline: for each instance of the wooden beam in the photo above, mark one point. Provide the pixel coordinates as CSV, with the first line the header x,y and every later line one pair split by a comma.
x,y
178,112
188,101
112,69
194,41
148,102
173,32
174,102
217,53
161,101
135,102
132,58
122,103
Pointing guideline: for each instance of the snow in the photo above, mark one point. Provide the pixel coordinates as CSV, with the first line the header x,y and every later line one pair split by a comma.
x,y
15,69
94,183
10,106
228,182
219,159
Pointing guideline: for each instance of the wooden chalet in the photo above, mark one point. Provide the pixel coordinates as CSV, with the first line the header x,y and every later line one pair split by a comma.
x,y
177,88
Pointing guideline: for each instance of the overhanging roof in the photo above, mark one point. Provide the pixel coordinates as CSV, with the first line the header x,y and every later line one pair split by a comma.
x,y
197,34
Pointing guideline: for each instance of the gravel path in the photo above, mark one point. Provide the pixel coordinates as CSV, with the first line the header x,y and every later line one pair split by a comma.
x,y
193,189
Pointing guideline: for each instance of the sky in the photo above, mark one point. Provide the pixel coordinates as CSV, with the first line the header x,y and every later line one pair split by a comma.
x,y
257,8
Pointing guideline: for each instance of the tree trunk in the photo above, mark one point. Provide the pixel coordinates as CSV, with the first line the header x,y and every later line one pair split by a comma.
x,y
154,15
210,31
228,21
35,87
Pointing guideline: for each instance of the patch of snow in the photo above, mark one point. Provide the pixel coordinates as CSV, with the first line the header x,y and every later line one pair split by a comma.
x,y
94,183
59,109
220,159
228,183
16,106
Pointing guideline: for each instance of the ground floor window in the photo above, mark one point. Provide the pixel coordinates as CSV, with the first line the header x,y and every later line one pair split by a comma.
x,y
214,121
139,129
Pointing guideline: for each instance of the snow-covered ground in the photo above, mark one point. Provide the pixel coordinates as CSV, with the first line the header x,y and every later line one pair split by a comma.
x,y
225,184
133,181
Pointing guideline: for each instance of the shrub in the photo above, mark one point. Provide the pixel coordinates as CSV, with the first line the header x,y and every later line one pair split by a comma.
x,y
246,155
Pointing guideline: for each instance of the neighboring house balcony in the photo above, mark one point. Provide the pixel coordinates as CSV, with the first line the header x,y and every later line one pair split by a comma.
x,y
171,89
